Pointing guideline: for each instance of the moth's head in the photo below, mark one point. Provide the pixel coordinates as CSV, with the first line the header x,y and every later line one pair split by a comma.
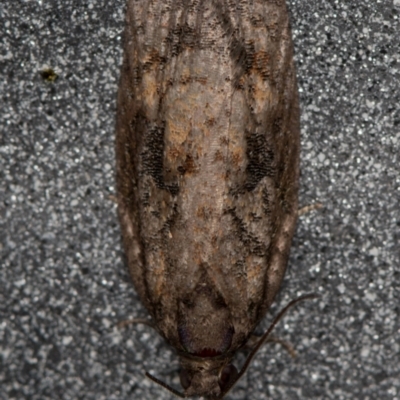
x,y
212,376
209,377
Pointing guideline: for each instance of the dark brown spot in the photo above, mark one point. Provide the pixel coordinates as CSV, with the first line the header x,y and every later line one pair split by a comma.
x,y
210,122
49,75
261,64
188,167
218,156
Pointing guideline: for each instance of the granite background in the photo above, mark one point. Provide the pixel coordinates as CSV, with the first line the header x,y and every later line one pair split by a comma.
x,y
63,283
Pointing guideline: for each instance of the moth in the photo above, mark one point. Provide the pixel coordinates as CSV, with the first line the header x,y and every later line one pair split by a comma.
x,y
207,153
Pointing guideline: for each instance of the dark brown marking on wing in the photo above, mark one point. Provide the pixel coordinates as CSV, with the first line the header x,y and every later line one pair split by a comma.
x,y
260,159
153,158
251,242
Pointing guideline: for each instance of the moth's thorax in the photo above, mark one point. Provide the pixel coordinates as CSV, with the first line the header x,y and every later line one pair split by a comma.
x,y
200,312
206,335
204,375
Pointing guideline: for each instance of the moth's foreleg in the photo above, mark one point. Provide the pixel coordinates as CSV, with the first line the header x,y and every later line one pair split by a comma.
x,y
304,210
253,340
143,321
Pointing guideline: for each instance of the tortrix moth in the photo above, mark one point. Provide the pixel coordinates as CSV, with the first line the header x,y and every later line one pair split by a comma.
x,y
207,149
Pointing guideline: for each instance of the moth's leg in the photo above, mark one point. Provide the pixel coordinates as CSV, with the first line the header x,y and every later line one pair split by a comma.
x,y
143,321
113,198
311,207
286,345
272,339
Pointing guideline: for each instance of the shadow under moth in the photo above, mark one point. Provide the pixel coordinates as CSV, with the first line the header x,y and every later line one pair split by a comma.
x,y
207,152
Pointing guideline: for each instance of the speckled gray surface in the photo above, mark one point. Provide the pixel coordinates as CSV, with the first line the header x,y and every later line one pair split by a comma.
x,y
63,284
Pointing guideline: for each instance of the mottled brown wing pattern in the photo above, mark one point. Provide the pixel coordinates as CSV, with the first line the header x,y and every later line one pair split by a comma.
x,y
207,148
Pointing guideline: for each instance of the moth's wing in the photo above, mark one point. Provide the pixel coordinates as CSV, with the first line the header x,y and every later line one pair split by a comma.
x,y
242,211
265,226
153,122
137,124
262,166
207,159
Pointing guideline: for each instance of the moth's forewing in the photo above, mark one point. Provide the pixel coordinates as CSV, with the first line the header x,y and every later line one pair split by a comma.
x,y
207,147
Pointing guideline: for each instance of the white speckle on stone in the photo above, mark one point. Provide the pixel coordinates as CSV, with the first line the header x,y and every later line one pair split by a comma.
x,y
341,288
315,376
20,283
370,104
374,252
370,296
67,340
116,339
74,203
106,322
315,268
365,352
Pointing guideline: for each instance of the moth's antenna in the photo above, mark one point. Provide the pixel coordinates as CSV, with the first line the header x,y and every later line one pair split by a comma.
x,y
265,337
165,386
